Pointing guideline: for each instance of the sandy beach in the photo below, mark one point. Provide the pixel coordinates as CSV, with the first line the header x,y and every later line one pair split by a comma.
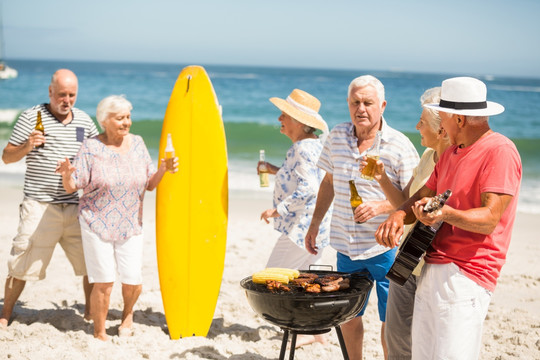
x,y
48,321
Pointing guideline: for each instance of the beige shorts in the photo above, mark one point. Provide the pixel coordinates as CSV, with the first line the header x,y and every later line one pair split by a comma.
x,y
41,227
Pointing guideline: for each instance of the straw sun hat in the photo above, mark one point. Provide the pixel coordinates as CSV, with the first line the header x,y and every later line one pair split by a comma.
x,y
302,107
465,96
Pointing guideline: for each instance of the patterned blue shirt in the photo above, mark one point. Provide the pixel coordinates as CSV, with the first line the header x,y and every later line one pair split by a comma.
x,y
341,158
295,193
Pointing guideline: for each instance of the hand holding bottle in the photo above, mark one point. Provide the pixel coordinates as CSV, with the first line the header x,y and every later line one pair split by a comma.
x,y
169,156
262,170
37,137
355,198
170,164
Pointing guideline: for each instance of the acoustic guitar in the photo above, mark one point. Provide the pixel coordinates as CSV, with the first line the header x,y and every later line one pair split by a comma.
x,y
416,243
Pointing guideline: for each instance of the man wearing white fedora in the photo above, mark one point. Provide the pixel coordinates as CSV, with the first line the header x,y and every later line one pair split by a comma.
x,y
483,169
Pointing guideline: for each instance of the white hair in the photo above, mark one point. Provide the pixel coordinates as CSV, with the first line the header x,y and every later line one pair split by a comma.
x,y
432,96
112,104
365,80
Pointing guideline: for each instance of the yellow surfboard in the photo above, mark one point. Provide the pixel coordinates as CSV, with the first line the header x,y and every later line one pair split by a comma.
x,y
192,206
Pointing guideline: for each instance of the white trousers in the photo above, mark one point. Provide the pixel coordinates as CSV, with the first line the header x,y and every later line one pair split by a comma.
x,y
449,311
104,258
286,254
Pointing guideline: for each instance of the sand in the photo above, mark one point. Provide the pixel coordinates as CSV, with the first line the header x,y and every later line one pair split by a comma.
x,y
48,321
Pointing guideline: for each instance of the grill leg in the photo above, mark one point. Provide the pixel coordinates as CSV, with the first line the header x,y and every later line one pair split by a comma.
x,y
293,345
284,344
342,343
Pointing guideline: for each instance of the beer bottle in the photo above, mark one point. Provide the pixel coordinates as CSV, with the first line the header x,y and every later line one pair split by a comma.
x,y
263,170
373,153
39,127
355,198
169,153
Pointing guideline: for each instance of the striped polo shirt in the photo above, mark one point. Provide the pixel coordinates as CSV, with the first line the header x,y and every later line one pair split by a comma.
x,y
340,158
40,181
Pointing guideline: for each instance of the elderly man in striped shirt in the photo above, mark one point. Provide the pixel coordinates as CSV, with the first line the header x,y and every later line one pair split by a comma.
x,y
352,234
48,215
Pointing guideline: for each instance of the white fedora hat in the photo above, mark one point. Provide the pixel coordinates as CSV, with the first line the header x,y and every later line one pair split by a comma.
x,y
303,107
465,96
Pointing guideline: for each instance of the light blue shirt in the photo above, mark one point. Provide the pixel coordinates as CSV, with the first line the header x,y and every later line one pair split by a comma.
x,y
295,193
341,158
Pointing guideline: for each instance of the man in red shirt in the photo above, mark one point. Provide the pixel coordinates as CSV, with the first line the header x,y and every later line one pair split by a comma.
x,y
483,170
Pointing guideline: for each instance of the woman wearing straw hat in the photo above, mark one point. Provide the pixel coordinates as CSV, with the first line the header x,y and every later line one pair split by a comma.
x,y
296,186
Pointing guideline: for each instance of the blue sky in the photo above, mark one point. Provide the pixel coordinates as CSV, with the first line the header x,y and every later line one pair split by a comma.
x,y
488,37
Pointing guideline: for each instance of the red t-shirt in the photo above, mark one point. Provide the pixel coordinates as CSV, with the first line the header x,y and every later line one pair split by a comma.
x,y
492,164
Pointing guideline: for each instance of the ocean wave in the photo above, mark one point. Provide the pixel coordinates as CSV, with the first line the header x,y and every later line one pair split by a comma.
x,y
519,88
243,76
8,115
243,177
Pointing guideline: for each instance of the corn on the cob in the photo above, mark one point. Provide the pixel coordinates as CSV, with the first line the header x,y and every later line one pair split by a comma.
x,y
261,277
291,273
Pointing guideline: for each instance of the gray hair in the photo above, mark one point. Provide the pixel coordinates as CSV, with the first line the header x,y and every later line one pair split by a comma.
x,y
309,130
112,104
365,80
476,120
432,96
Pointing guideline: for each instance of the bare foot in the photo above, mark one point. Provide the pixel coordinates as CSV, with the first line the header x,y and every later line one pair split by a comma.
x,y
3,324
302,340
101,336
125,332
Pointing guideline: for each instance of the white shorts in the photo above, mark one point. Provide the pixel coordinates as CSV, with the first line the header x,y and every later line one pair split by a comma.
x,y
449,311
104,258
286,254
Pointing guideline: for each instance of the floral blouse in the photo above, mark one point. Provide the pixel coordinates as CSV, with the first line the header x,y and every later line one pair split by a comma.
x,y
295,193
113,187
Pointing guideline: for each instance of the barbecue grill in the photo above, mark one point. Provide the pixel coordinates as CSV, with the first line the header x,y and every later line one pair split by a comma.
x,y
301,312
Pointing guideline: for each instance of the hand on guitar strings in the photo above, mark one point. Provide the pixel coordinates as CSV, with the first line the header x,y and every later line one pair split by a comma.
x,y
427,218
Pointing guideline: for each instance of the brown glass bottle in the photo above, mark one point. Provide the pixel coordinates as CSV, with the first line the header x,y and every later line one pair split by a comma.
x,y
39,127
355,198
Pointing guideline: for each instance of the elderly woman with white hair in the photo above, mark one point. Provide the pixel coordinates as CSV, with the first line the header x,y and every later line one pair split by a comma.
x,y
113,169
400,304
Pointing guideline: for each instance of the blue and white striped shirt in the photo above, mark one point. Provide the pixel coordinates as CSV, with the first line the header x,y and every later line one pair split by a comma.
x,y
340,158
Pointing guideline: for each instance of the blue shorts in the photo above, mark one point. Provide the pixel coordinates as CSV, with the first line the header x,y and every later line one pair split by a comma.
x,y
377,267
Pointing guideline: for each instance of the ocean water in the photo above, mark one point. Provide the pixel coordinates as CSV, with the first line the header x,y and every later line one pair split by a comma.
x,y
251,120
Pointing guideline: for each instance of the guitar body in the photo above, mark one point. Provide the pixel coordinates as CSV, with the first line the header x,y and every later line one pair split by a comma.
x,y
412,250
416,244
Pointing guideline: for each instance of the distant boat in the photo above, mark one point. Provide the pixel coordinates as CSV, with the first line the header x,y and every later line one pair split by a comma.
x,y
6,72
